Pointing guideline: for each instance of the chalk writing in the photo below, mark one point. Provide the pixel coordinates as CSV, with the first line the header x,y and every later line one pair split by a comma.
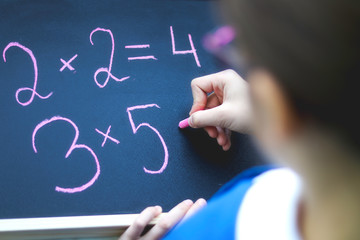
x,y
192,51
138,46
108,69
73,146
136,128
67,64
106,136
33,89
142,58
152,57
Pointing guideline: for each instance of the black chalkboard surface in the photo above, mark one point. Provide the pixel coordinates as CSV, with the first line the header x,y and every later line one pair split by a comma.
x,y
91,95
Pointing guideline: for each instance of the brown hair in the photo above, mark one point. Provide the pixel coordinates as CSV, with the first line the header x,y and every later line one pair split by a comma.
x,y
312,47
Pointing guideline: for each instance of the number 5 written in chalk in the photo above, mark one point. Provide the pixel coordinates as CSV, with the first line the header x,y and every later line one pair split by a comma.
x,y
136,128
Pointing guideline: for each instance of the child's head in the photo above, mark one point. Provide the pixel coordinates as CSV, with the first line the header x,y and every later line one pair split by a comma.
x,y
309,54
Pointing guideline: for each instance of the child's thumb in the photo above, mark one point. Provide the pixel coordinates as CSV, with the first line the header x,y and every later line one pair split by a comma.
x,y
210,117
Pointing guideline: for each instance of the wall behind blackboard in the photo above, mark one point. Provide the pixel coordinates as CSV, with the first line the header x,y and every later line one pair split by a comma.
x,y
33,147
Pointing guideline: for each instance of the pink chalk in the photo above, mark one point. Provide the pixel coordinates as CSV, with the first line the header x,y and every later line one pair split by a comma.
x,y
184,123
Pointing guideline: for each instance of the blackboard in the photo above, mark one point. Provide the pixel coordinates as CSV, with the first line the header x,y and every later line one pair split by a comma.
x,y
91,95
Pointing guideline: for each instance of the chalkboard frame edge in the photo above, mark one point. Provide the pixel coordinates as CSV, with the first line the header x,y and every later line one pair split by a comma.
x,y
67,227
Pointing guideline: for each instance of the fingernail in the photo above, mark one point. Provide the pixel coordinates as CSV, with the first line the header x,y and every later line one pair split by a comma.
x,y
201,202
188,202
158,209
226,148
190,121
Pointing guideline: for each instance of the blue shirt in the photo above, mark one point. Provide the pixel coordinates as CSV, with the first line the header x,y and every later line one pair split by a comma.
x,y
220,218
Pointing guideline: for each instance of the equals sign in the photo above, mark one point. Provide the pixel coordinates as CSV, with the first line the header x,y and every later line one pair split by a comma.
x,y
140,57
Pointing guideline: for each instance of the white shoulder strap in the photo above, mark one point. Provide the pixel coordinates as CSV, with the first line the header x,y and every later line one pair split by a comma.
x,y
269,208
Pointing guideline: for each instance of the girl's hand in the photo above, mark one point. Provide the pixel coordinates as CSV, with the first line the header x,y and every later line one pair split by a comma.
x,y
221,105
178,213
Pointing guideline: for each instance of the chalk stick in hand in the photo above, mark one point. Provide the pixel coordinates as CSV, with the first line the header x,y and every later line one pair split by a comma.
x,y
184,123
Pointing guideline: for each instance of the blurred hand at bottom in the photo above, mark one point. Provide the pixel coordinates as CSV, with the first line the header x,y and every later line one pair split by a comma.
x,y
180,212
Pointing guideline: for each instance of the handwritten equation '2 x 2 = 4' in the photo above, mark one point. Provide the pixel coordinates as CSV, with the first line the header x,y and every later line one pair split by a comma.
x,y
107,70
